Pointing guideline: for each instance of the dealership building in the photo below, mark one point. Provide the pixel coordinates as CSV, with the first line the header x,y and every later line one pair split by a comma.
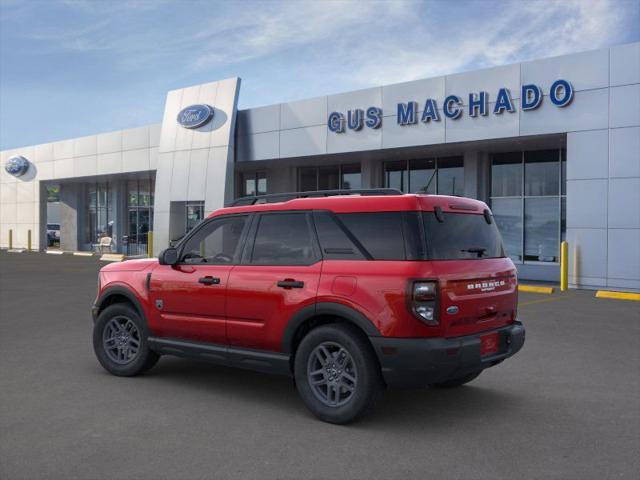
x,y
552,145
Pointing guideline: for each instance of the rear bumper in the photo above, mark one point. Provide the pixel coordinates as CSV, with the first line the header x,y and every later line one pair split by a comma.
x,y
417,362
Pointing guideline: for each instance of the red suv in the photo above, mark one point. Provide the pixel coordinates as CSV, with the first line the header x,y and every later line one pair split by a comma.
x,y
345,293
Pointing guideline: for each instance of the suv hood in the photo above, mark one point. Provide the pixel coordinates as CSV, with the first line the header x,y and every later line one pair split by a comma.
x,y
130,265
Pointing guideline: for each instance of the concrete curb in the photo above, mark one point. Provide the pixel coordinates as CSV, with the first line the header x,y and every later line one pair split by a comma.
x,y
112,257
635,297
535,289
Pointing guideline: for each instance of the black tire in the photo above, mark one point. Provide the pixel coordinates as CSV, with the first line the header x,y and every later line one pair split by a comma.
x,y
361,365
457,382
133,363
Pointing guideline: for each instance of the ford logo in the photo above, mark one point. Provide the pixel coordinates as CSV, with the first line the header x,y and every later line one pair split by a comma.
x,y
195,116
16,166
452,310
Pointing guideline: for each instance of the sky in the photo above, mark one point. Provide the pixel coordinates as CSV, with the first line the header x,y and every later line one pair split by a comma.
x,y
70,68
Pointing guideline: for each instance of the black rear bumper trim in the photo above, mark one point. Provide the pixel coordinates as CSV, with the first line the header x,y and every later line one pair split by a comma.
x,y
419,362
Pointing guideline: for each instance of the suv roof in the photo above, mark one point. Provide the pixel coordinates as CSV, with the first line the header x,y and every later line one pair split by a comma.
x,y
365,203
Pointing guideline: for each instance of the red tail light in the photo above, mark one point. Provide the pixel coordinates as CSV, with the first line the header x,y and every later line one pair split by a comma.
x,y
424,295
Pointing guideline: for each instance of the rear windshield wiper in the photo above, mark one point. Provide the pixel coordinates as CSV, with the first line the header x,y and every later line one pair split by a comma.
x,y
477,250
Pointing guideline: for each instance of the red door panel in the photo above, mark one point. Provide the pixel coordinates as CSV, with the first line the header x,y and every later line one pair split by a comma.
x,y
258,309
185,308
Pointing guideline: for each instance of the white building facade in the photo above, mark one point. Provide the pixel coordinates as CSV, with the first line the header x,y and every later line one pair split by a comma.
x,y
552,145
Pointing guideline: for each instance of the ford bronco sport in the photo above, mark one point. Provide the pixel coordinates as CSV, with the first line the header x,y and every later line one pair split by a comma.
x,y
345,293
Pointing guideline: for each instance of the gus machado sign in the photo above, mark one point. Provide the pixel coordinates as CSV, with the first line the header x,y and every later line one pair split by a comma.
x,y
560,95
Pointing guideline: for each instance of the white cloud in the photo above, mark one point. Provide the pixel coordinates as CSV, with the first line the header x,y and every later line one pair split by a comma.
x,y
287,26
383,41
521,31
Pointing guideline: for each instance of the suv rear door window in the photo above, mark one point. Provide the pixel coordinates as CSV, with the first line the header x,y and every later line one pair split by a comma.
x,y
283,239
334,239
461,236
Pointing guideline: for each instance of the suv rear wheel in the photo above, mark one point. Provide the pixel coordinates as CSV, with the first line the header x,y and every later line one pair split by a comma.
x,y
337,374
120,341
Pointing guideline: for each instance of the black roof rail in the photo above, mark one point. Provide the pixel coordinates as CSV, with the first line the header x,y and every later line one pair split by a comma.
x,y
283,197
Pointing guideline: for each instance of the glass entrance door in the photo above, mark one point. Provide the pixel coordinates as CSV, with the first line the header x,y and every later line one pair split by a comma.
x,y
140,215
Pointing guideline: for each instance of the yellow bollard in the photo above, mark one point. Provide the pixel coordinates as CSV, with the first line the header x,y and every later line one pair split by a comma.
x,y
10,239
29,240
150,244
564,266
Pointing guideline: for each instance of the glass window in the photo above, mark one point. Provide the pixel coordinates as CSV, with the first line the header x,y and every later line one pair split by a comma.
x,y
328,178
506,175
92,196
563,219
395,175
449,179
381,234
144,224
133,226
307,179
451,176
420,173
194,214
216,243
541,227
507,213
283,239
53,193
563,172
132,193
262,184
351,177
532,220
140,215
334,241
461,236
254,183
99,212
145,193
249,186
541,173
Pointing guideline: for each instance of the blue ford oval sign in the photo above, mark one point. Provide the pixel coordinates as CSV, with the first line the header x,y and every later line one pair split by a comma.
x,y
195,116
16,166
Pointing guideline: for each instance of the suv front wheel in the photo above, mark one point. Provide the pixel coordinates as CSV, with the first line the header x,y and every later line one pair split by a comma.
x,y
120,341
337,374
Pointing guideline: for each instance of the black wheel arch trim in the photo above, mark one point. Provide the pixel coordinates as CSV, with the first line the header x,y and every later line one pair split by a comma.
x,y
117,290
325,308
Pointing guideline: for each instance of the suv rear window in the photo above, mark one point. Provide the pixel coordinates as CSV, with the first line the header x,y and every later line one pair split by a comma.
x,y
461,236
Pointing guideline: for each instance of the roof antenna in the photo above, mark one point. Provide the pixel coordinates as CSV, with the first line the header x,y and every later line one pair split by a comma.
x,y
425,189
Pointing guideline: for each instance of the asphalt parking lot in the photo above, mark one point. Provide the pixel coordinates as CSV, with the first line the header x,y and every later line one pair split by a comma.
x,y
566,407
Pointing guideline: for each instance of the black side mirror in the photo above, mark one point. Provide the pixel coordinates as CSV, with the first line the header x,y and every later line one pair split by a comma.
x,y
168,256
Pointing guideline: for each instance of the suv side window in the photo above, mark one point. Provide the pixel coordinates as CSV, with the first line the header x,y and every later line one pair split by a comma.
x,y
381,233
283,239
215,243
